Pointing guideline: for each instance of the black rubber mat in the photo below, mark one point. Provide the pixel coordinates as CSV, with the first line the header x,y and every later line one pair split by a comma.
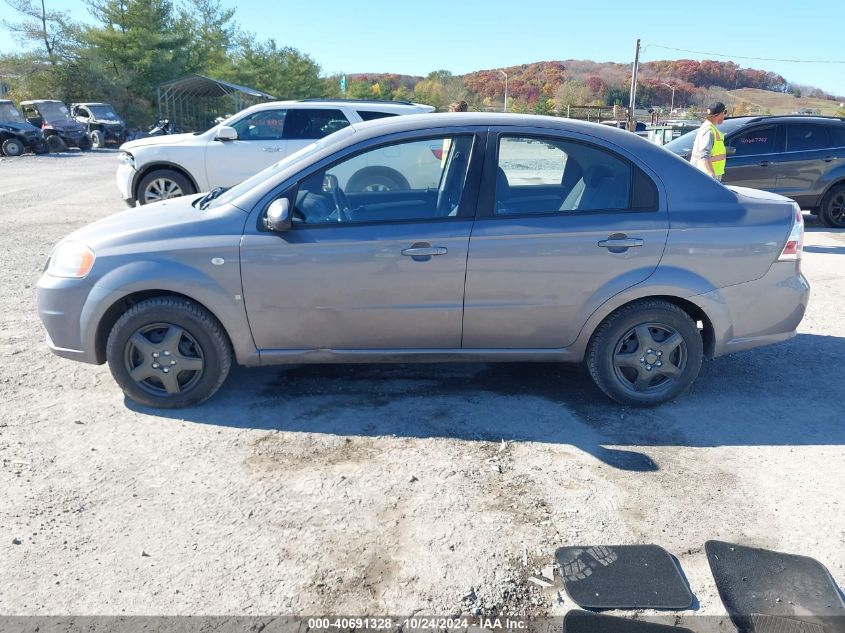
x,y
622,577
588,622
772,592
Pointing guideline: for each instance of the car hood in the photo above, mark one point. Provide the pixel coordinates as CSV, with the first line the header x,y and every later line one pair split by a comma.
x,y
164,139
165,225
19,127
66,126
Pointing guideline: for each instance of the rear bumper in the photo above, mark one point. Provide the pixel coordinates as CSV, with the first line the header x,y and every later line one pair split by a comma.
x,y
756,313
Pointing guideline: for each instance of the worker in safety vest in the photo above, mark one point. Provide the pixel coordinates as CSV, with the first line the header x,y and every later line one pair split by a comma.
x,y
708,151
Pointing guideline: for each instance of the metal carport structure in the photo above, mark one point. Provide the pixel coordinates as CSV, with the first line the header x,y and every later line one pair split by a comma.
x,y
194,102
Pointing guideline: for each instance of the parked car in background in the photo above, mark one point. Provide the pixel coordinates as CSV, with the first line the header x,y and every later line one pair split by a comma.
x,y
59,129
801,157
101,123
587,244
154,169
17,135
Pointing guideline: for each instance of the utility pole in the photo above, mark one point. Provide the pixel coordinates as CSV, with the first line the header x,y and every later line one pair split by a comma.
x,y
672,106
632,121
506,90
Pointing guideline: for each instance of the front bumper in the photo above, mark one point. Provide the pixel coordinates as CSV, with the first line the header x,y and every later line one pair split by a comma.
x,y
70,309
125,179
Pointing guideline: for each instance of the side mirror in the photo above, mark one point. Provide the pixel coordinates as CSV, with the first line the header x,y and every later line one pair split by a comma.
x,y
278,216
226,133
730,151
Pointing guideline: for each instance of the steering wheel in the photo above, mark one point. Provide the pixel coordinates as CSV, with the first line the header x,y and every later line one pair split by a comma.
x,y
331,186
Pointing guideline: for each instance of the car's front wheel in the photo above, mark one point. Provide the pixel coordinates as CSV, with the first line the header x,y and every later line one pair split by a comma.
x,y
12,147
168,352
832,212
55,143
98,139
645,353
163,184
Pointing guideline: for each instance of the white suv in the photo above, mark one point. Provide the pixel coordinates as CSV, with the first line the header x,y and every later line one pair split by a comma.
x,y
161,167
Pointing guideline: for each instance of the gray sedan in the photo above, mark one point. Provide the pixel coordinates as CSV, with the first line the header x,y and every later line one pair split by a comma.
x,y
525,238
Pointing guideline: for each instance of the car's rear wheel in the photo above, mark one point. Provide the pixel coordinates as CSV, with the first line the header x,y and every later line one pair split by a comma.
x,y
98,139
163,184
12,147
832,212
168,352
55,143
85,143
645,353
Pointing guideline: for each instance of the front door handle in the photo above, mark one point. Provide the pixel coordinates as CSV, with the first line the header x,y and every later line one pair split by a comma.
x,y
272,149
621,242
425,251
829,159
764,163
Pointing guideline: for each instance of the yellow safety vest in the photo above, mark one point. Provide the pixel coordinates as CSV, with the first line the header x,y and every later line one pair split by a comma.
x,y
718,155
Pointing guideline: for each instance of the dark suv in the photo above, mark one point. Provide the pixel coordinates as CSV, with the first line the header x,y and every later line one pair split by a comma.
x,y
16,133
60,130
801,157
101,122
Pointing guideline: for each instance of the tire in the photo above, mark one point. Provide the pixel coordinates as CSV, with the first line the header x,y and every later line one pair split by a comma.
x,y
832,211
55,143
12,147
98,139
627,355
85,144
155,336
376,180
163,184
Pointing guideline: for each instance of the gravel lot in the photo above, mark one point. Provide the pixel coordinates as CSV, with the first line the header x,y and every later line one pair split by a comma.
x,y
387,489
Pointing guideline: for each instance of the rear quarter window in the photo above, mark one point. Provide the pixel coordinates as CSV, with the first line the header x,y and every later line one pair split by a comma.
x,y
369,115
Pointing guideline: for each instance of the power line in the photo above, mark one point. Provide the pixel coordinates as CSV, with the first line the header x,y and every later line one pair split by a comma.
x,y
761,59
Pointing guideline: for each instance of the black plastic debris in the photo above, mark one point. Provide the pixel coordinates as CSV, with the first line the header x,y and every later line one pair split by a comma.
x,y
622,577
588,622
771,592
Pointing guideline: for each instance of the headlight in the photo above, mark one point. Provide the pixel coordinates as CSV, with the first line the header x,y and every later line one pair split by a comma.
x,y
127,159
71,259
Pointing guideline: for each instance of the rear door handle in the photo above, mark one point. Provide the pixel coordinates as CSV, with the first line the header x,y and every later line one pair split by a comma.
x,y
829,159
425,251
764,163
621,242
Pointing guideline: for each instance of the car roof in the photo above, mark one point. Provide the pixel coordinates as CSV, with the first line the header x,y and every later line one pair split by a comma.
x,y
398,107
90,103
799,118
41,101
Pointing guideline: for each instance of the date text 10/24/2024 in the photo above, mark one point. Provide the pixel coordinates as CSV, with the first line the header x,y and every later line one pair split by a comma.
x,y
415,623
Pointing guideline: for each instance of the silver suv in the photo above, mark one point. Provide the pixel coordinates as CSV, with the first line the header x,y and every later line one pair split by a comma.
x,y
539,239
161,167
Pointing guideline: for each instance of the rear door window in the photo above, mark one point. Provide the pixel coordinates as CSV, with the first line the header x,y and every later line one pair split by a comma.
x,y
837,135
305,123
552,175
759,140
804,137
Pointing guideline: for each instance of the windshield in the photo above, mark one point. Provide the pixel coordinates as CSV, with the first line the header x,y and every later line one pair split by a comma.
x,y
271,171
683,144
8,113
104,112
53,111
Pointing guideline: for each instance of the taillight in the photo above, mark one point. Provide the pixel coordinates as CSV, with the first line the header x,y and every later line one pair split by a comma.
x,y
795,242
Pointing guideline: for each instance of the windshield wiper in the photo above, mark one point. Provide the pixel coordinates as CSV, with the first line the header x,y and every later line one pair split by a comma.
x,y
202,203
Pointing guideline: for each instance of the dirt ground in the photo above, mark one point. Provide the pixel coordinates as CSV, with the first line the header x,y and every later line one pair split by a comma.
x,y
374,490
